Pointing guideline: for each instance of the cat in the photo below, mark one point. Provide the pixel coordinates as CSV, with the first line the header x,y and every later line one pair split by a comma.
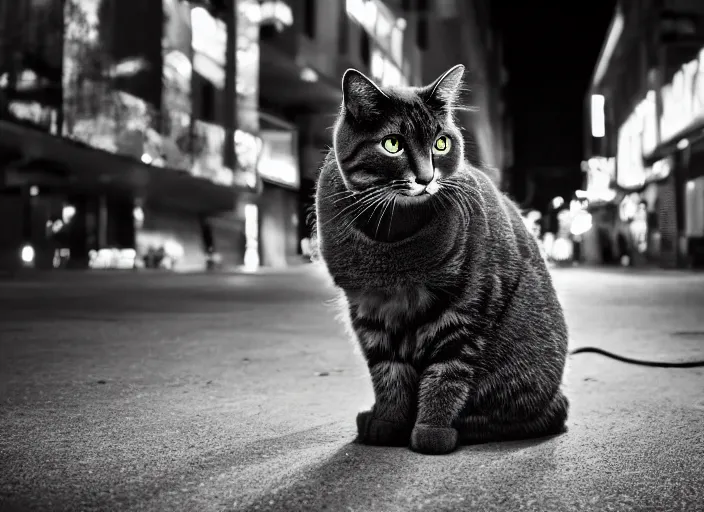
x,y
445,289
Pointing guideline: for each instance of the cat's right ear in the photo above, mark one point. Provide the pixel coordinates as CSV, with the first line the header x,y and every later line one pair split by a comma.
x,y
444,92
360,95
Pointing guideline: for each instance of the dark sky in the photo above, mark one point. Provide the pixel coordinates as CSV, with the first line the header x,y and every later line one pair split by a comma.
x,y
551,48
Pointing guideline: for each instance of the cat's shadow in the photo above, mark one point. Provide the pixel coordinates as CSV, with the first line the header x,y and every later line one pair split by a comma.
x,y
357,475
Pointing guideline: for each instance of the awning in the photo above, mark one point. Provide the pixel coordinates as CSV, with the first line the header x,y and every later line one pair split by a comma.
x,y
37,154
692,133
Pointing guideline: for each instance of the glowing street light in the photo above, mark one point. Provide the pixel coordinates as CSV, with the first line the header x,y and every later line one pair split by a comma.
x,y
27,254
598,119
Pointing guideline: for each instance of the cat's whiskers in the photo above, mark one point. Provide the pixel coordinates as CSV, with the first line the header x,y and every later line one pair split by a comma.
x,y
346,194
459,193
461,190
388,200
361,201
373,202
391,220
445,200
378,200
340,196
455,195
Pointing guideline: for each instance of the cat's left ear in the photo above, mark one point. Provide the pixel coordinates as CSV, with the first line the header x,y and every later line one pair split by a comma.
x,y
445,91
360,95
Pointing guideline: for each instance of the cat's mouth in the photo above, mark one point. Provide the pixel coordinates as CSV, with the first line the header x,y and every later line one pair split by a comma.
x,y
415,189
418,193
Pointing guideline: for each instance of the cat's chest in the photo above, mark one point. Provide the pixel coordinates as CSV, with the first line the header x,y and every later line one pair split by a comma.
x,y
395,309
389,322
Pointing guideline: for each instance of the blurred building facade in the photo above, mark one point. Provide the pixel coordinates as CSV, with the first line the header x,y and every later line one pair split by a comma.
x,y
121,148
200,131
644,134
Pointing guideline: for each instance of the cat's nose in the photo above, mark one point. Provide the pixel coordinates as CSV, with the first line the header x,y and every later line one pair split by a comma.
x,y
426,176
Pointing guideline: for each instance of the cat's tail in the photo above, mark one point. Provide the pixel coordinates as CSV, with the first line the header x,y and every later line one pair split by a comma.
x,y
640,362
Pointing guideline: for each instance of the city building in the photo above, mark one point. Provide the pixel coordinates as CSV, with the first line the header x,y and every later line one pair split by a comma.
x,y
122,148
644,135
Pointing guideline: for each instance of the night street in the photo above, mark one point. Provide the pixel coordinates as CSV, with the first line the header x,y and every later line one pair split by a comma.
x,y
239,392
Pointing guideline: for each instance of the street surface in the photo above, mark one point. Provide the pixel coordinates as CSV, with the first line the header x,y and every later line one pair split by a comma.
x,y
239,392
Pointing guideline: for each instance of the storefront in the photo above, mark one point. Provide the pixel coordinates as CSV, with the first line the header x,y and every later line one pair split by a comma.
x,y
279,203
642,219
679,160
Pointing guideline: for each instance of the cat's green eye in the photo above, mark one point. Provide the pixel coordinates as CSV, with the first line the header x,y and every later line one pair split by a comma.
x,y
442,144
391,144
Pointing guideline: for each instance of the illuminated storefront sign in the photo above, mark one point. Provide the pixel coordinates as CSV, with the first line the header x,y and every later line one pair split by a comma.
x,y
636,137
112,258
600,174
279,161
683,98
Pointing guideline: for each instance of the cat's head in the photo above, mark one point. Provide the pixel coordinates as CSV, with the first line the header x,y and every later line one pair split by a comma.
x,y
403,138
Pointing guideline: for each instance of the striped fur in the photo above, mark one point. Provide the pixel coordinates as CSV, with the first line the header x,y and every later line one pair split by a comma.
x,y
458,321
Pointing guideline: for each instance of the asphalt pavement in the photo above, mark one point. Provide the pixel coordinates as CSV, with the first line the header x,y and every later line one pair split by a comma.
x,y
239,392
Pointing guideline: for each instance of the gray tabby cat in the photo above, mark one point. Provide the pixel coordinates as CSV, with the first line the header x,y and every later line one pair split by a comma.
x,y
448,296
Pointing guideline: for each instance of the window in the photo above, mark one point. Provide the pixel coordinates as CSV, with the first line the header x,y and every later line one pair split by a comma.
x,y
309,19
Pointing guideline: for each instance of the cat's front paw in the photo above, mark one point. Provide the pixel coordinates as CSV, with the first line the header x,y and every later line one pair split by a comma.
x,y
374,431
431,440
